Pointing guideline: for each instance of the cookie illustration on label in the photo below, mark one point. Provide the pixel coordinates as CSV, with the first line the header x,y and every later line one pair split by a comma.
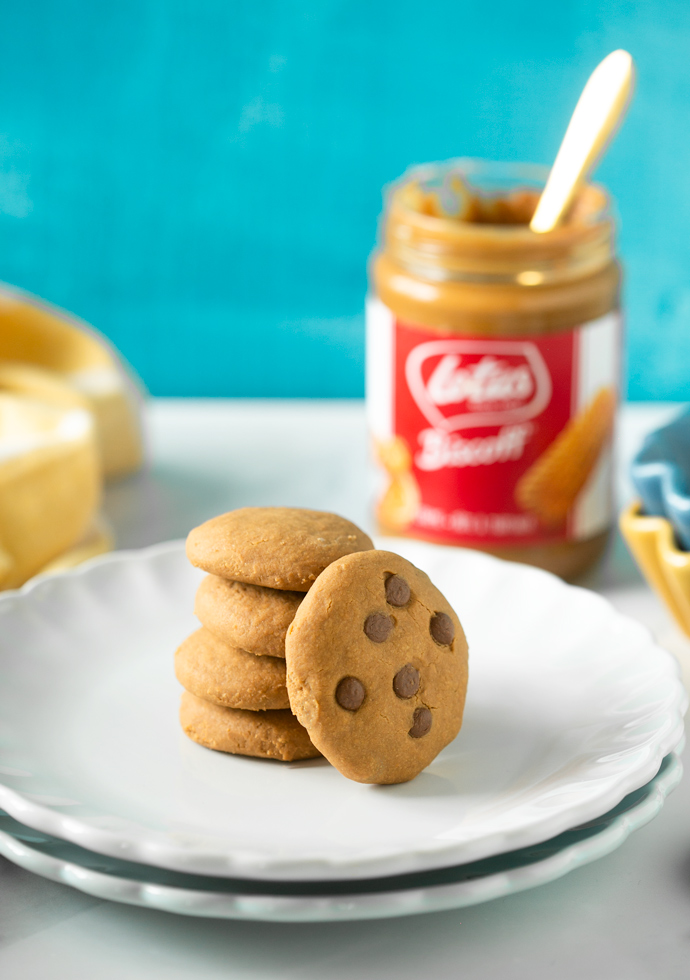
x,y
400,502
552,484
377,667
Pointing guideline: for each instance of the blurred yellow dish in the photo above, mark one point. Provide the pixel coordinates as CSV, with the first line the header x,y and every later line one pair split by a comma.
x,y
50,483
70,356
97,540
666,568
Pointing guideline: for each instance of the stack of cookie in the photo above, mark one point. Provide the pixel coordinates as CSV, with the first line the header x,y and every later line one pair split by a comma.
x,y
314,643
261,561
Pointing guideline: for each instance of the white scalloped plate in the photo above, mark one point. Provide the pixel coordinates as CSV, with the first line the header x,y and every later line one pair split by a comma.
x,y
431,891
570,707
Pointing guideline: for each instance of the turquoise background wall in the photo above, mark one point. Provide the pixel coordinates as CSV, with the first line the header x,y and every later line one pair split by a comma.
x,y
201,179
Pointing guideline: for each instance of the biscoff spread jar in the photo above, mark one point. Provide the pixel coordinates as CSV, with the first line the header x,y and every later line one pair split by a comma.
x,y
493,359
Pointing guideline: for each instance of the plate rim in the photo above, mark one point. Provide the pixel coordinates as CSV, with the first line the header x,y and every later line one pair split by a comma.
x,y
243,906
147,846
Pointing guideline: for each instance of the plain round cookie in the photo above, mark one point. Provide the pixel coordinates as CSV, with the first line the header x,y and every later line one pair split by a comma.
x,y
278,547
210,669
266,734
250,617
377,667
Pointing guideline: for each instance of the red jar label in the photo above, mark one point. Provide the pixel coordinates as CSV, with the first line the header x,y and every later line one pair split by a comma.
x,y
490,440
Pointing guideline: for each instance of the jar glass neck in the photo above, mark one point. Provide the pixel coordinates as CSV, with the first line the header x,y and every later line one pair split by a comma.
x,y
426,237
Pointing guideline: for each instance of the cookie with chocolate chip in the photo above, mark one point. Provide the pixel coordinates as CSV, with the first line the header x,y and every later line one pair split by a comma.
x,y
377,667
277,547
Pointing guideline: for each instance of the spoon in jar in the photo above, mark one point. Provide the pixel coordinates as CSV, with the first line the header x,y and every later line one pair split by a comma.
x,y
598,112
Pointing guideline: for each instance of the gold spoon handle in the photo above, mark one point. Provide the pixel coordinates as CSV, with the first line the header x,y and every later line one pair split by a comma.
x,y
600,108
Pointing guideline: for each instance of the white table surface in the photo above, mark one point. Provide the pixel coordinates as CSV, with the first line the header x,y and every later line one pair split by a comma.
x,y
625,917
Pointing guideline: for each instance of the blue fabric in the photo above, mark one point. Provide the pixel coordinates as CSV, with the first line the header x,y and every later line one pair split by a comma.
x,y
201,179
661,475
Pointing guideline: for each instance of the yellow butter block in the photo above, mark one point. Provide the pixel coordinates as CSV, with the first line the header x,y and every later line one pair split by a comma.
x,y
37,334
666,568
50,483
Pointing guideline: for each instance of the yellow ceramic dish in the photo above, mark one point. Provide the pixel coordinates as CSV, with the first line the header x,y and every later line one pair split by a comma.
x,y
69,354
50,483
666,568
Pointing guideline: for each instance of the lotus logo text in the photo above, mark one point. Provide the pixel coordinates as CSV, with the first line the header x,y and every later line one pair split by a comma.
x,y
462,384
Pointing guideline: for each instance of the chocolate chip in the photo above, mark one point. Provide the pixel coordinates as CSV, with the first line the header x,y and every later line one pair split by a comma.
x,y
397,591
422,723
441,628
378,626
406,681
350,693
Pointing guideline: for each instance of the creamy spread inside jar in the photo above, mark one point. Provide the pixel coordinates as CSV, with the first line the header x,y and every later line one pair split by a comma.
x,y
493,359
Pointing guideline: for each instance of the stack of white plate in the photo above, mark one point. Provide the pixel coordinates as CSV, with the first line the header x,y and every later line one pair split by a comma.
x,y
573,717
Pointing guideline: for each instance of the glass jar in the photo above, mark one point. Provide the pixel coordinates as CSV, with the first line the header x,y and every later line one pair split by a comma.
x,y
493,361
